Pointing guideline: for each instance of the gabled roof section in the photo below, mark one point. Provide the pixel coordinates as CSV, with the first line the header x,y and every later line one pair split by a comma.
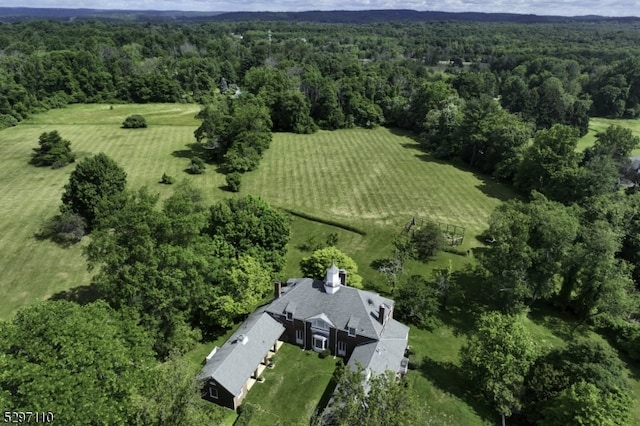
x,y
385,354
353,322
349,304
234,362
291,307
322,317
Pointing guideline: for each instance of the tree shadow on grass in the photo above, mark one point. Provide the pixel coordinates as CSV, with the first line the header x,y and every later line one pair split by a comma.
x,y
490,186
450,378
81,295
326,397
561,324
494,188
397,131
195,150
472,299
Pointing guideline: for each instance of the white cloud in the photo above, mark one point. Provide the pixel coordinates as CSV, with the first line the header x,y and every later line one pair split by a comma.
x,y
539,7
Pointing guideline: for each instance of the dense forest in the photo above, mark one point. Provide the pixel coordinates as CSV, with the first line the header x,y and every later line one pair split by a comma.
x,y
504,99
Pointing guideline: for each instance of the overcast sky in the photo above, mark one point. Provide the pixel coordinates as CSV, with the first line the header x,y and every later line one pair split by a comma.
x,y
538,7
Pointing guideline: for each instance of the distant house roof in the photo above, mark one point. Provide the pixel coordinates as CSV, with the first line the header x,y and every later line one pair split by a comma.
x,y
635,163
234,362
347,307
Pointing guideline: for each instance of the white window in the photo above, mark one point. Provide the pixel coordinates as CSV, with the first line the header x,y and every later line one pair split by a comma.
x,y
213,392
299,338
342,348
319,342
352,332
319,324
289,316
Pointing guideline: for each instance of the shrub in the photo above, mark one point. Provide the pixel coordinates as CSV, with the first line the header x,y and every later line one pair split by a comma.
x,y
166,179
332,239
7,120
428,240
233,181
325,353
53,151
66,228
246,413
196,166
135,121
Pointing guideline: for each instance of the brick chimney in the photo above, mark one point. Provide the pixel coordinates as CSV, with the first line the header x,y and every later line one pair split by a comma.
x,y
343,276
277,289
383,312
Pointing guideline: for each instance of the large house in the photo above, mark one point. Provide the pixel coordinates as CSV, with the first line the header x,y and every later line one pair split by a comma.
x,y
317,315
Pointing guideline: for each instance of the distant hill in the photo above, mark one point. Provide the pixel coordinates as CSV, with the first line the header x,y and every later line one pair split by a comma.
x,y
13,14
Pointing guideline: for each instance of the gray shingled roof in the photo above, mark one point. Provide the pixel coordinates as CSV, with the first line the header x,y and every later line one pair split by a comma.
x,y
345,306
385,354
234,362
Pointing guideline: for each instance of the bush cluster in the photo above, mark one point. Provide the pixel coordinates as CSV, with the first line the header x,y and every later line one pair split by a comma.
x,y
135,121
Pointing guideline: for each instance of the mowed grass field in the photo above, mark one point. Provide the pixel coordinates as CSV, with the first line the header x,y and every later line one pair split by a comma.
x,y
373,179
597,125
33,270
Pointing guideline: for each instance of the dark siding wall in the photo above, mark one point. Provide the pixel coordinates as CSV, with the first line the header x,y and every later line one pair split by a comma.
x,y
290,328
225,398
335,335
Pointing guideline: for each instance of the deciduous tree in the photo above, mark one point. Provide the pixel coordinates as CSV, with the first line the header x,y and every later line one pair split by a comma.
x,y
373,401
95,181
497,358
315,266
251,227
86,364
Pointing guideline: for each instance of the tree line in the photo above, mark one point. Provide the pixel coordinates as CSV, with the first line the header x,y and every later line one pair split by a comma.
x,y
313,75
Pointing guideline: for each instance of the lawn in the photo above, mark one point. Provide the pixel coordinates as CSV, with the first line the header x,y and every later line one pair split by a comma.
x,y
373,180
600,125
293,389
34,270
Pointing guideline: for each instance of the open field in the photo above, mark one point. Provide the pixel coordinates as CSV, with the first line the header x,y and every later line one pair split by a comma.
x,y
600,125
33,270
374,180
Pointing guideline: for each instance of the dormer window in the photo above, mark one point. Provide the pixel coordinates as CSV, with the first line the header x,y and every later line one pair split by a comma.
x,y
352,326
289,311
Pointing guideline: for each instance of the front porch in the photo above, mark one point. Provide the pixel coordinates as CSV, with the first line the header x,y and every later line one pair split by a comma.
x,y
264,363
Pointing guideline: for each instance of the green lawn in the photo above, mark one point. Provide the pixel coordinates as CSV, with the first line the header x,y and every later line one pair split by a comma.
x,y
375,180
292,390
600,125
35,270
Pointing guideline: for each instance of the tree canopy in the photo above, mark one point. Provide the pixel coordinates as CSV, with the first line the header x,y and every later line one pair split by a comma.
x,y
376,400
251,227
315,266
497,359
53,151
92,185
86,364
